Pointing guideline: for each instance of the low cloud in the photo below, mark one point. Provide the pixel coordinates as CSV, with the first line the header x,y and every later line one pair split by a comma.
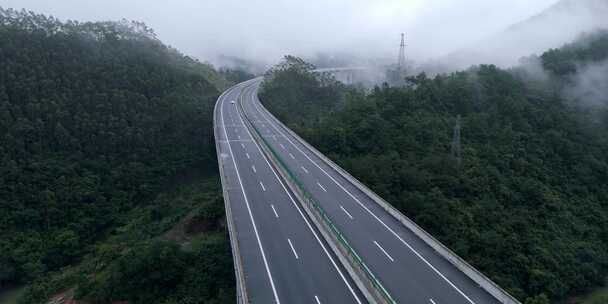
x,y
264,31
590,85
551,28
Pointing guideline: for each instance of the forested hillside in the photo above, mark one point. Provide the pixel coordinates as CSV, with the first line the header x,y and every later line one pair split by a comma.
x,y
97,119
528,202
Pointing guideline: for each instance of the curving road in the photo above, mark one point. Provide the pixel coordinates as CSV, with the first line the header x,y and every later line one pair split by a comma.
x,y
284,258
280,256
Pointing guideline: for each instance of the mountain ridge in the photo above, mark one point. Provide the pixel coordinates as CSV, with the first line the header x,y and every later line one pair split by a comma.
x,y
551,28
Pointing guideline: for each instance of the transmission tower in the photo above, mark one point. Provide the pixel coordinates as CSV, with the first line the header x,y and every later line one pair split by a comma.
x,y
456,142
401,61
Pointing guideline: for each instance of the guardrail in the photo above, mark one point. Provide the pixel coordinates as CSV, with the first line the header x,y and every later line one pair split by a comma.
x,y
380,292
241,288
475,275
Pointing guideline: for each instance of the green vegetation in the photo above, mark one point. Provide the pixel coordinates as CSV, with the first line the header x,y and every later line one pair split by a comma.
x,y
142,262
11,296
528,204
315,93
97,119
597,297
236,75
588,49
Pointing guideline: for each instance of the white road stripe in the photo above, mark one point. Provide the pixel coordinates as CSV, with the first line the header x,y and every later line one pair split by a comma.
x,y
291,155
308,224
293,249
243,146
350,216
386,253
239,137
433,302
317,299
247,154
275,211
367,209
282,146
321,187
304,169
255,229
254,170
263,188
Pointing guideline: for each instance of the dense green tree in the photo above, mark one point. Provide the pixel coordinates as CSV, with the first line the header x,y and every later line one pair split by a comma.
x,y
235,75
95,119
541,299
588,49
527,205
321,91
143,274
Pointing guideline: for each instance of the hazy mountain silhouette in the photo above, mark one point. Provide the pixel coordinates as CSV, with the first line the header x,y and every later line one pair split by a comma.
x,y
559,24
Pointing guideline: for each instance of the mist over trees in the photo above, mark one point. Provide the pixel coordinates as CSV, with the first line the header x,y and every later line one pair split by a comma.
x,y
527,205
581,69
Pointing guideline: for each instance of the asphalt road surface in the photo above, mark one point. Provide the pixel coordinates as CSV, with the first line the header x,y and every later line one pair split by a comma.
x,y
284,258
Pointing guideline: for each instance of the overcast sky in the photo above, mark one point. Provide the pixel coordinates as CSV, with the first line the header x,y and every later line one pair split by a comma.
x,y
266,30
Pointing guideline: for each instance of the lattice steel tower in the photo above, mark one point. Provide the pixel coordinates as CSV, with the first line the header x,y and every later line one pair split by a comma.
x,y
401,62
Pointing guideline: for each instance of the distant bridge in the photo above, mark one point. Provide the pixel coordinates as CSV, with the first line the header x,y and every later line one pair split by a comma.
x,y
357,74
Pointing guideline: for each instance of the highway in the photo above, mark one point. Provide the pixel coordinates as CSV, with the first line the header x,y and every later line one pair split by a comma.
x,y
282,257
408,267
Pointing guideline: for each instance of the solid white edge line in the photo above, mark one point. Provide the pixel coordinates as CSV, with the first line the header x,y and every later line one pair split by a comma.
x,y
270,120
350,288
274,210
385,253
293,249
350,216
255,229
